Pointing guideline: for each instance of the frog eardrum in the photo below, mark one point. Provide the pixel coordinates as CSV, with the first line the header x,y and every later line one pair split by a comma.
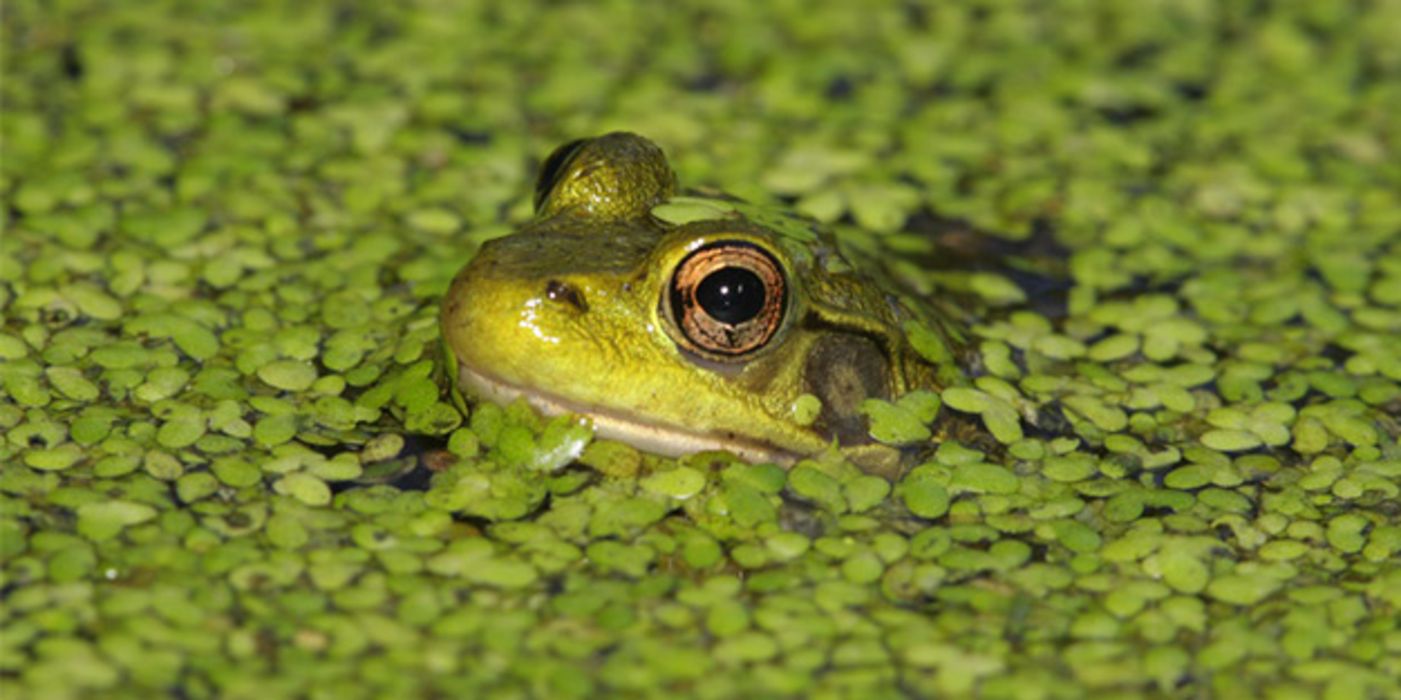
x,y
726,300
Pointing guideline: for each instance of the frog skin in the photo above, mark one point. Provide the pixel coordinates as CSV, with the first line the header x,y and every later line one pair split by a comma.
x,y
678,338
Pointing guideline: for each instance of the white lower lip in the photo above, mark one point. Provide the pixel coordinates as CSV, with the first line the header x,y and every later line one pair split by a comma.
x,y
663,440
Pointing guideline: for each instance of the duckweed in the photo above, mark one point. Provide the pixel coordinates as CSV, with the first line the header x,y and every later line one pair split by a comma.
x,y
231,468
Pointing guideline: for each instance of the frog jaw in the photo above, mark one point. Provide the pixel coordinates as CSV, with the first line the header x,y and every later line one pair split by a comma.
x,y
668,441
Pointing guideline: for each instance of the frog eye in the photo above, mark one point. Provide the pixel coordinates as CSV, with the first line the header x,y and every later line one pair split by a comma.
x,y
618,176
727,299
553,169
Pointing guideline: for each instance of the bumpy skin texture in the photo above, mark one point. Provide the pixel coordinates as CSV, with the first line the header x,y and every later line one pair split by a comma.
x,y
571,313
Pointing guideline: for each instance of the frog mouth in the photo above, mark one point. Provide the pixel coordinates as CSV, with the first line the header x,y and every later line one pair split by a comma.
x,y
665,440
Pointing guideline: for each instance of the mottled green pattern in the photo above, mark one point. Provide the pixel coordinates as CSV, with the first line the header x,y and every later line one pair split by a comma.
x,y
228,225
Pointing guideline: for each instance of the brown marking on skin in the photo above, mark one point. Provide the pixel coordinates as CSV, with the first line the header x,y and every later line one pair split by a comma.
x,y
843,370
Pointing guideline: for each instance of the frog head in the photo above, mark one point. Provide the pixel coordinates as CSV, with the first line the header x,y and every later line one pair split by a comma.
x,y
719,333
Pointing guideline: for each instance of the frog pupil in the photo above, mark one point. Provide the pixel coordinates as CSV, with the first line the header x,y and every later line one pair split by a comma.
x,y
731,295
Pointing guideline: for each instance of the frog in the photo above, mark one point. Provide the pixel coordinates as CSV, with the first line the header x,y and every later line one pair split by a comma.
x,y
689,335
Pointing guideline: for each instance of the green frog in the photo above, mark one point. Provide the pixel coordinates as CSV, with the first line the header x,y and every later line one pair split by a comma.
x,y
683,334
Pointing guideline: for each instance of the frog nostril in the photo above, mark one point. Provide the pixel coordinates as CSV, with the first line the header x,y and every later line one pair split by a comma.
x,y
556,290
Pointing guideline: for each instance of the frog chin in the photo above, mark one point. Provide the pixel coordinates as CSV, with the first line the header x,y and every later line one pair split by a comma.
x,y
666,440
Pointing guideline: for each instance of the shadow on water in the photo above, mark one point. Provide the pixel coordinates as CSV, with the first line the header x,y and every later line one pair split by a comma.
x,y
412,469
1038,264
